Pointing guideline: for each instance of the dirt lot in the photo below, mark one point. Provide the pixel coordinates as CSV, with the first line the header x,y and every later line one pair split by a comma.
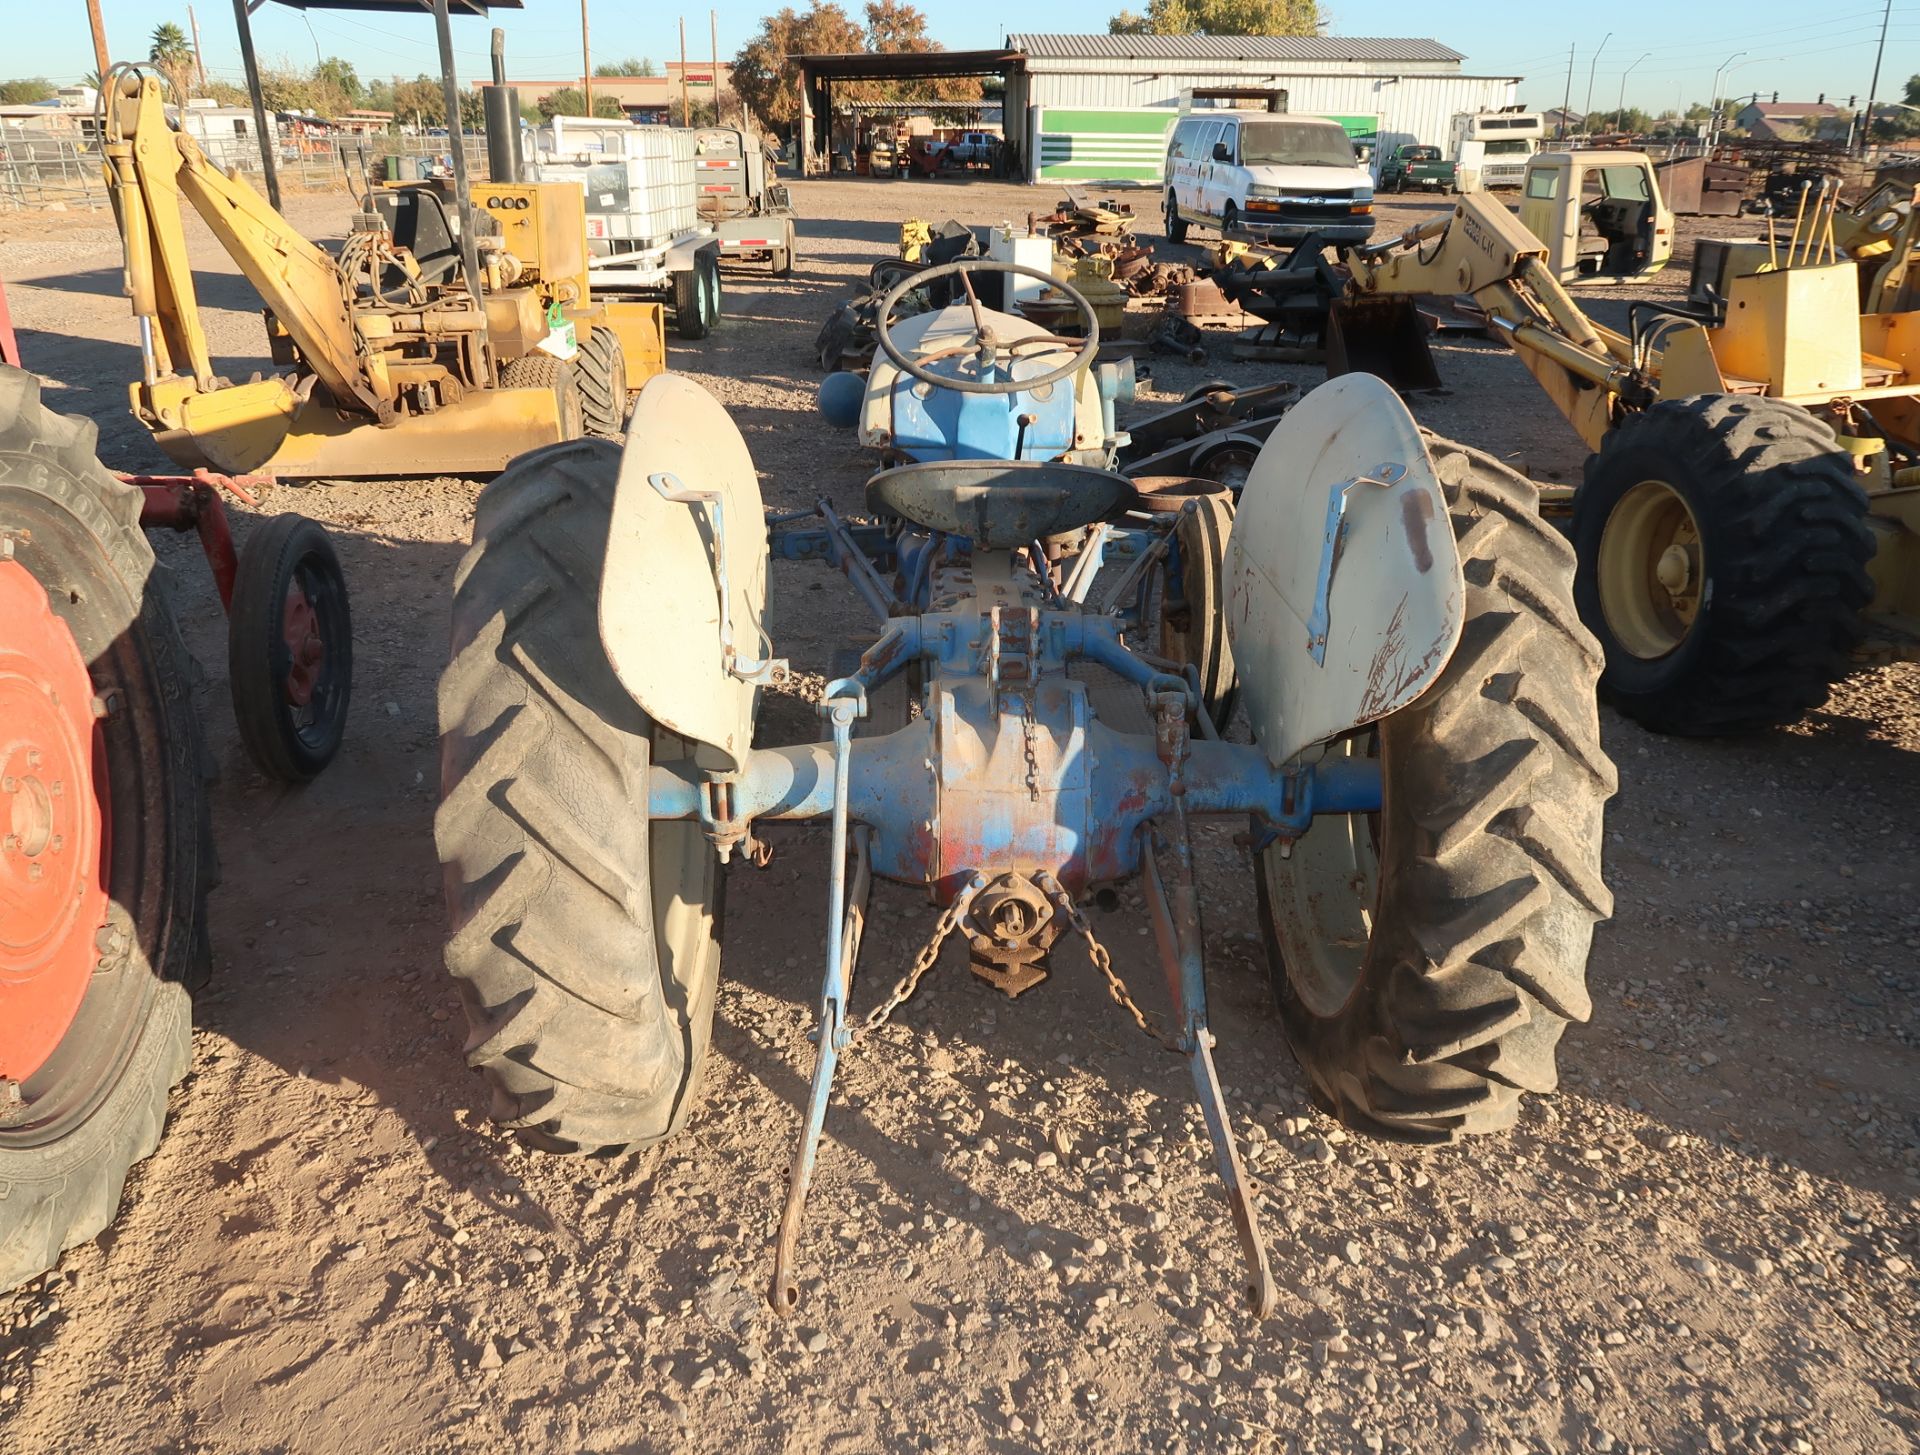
x,y
1705,1241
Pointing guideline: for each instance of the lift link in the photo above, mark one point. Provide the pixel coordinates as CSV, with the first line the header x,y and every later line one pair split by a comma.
x,y
845,701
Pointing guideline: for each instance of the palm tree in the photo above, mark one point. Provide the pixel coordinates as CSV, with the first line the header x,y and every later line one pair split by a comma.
x,y
172,54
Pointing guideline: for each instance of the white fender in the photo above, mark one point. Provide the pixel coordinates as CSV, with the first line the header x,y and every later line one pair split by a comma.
x,y
659,599
1344,594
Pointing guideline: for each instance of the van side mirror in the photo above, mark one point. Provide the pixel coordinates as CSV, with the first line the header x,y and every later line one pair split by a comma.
x,y
1222,152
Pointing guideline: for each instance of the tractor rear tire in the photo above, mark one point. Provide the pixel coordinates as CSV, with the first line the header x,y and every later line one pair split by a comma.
x,y
1753,510
1193,622
96,1103
1426,959
584,939
541,370
602,376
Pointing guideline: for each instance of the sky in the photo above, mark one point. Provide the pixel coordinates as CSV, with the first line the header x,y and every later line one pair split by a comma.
x,y
1660,60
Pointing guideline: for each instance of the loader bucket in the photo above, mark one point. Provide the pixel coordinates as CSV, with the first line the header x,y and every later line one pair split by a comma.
x,y
1381,336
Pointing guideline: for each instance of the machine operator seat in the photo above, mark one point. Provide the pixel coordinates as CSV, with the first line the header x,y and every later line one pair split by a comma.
x,y
999,505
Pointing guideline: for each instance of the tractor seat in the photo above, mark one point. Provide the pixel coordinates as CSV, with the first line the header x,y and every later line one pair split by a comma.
x,y
998,504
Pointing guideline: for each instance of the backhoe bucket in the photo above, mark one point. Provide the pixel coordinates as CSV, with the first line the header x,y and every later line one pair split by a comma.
x,y
1381,336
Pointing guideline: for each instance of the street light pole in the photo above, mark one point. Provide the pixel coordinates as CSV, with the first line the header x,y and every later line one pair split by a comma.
x,y
1587,109
1713,121
1622,106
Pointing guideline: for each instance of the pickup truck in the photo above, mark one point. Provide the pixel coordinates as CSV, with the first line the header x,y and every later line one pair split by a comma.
x,y
1416,167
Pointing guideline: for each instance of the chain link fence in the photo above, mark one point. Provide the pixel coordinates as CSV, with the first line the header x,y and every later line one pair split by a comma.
x,y
45,173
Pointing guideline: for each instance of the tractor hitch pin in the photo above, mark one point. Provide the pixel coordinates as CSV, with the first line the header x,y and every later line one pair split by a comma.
x,y
1176,930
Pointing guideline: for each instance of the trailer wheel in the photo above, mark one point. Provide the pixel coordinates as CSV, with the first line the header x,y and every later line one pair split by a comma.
x,y
602,376
290,649
541,370
584,939
1723,546
696,296
1427,958
101,785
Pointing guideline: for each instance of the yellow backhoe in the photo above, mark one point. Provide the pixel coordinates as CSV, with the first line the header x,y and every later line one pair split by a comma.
x,y
1746,526
395,358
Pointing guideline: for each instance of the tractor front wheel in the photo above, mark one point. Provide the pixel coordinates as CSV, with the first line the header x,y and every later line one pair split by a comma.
x,y
1427,958
1723,547
584,938
540,370
602,376
106,858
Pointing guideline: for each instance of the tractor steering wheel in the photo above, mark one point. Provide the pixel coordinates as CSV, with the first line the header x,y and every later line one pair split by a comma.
x,y
983,343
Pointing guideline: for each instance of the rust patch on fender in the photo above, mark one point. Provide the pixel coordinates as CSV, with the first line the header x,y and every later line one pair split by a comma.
x,y
1416,514
1389,674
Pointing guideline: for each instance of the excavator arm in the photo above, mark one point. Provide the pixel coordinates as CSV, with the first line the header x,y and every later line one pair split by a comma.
x,y
1480,249
233,427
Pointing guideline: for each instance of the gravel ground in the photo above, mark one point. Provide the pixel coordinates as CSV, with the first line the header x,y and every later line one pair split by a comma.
x,y
1705,1241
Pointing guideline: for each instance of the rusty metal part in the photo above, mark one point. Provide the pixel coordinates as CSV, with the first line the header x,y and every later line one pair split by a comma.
x,y
907,984
1103,962
192,502
1011,926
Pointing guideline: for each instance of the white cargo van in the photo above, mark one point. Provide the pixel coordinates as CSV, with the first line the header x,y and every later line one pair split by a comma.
x,y
1266,172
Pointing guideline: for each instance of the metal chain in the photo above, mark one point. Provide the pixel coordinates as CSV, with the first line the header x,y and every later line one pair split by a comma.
x,y
1027,730
923,962
1103,962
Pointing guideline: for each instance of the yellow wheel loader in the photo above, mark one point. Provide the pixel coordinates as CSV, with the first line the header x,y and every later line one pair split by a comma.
x,y
410,353
1746,526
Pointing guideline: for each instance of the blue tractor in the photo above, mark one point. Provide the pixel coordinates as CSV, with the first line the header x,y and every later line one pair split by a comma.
x,y
1370,659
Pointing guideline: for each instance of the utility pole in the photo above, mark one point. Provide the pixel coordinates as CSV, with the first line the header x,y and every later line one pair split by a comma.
x,y
586,60
1873,87
1587,109
686,118
99,39
1560,132
713,21
199,60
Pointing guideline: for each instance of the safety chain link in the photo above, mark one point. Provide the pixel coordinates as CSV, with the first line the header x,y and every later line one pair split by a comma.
x,y
1103,962
923,962
1027,732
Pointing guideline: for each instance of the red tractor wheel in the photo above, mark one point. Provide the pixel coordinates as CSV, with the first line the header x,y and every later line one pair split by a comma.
x,y
52,832
105,853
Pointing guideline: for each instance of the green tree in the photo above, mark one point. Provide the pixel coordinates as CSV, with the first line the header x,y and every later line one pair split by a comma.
x,y
572,101
419,102
473,113
172,56
631,66
340,76
1220,17
767,79
25,91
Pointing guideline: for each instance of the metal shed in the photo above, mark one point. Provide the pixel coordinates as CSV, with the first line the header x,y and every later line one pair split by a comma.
x,y
1096,107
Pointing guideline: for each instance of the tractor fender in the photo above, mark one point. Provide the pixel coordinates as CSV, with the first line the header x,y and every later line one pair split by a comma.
x,y
1344,594
659,596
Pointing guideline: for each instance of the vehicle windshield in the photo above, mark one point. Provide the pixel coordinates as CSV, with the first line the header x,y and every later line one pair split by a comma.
x,y
1507,148
1294,144
1421,154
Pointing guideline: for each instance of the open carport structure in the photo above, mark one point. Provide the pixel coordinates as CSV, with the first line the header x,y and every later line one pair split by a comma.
x,y
820,73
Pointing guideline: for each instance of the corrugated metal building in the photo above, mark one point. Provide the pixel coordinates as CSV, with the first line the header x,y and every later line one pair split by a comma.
x,y
1089,100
